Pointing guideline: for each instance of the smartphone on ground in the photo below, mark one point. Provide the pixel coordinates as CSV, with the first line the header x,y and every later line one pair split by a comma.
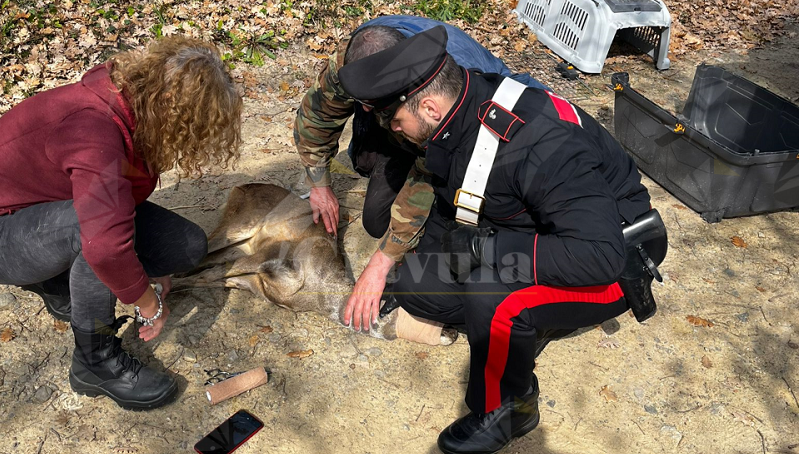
x,y
230,434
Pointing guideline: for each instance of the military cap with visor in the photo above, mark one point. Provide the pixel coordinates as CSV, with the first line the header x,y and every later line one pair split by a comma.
x,y
386,79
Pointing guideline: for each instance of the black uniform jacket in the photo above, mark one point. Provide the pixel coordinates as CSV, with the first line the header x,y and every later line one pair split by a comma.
x,y
559,189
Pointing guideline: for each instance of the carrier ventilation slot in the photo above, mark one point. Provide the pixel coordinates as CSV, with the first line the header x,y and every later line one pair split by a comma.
x,y
536,10
563,30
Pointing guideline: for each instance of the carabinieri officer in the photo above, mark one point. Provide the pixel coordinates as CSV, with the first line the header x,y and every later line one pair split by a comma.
x,y
531,198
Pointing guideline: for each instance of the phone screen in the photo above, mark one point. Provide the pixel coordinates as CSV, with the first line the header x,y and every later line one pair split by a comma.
x,y
230,434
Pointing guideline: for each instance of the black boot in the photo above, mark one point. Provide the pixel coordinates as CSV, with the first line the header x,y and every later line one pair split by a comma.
x,y
485,433
101,367
55,294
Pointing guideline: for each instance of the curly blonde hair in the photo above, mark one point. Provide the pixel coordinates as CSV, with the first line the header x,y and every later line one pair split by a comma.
x,y
187,108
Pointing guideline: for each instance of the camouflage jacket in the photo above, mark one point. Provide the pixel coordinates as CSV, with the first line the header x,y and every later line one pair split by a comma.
x,y
321,117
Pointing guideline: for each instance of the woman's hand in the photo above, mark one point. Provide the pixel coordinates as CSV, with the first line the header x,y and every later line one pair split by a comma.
x,y
148,307
166,285
148,333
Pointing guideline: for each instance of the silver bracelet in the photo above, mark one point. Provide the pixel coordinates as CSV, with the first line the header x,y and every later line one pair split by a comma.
x,y
144,321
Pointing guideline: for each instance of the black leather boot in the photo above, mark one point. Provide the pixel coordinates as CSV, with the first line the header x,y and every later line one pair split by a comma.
x,y
101,368
55,294
486,433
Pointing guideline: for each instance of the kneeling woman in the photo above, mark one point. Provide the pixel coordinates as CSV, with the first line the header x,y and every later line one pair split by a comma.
x,y
77,164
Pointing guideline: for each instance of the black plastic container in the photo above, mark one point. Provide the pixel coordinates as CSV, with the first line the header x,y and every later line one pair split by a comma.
x,y
734,151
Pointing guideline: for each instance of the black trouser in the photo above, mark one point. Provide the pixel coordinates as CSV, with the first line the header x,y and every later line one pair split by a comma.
x,y
41,242
375,154
501,318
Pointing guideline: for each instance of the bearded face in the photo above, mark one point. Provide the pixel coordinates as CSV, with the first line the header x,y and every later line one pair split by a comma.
x,y
414,129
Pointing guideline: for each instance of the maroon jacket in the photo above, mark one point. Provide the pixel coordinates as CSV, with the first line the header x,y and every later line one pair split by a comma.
x,y
75,143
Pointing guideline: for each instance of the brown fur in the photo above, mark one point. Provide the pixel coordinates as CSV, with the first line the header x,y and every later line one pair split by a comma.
x,y
268,244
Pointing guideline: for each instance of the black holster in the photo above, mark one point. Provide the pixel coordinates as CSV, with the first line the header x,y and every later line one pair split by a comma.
x,y
646,244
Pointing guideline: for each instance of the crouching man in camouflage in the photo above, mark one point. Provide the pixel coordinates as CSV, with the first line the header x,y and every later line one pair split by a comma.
x,y
375,152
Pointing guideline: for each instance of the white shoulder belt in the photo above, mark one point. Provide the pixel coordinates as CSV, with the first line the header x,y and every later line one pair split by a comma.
x,y
469,198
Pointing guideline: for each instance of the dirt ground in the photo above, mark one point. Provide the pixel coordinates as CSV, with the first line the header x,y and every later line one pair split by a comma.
x,y
665,386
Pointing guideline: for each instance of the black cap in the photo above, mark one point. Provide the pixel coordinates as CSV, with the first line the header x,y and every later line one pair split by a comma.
x,y
395,74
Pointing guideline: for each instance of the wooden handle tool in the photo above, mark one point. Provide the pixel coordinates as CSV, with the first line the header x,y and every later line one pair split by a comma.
x,y
234,386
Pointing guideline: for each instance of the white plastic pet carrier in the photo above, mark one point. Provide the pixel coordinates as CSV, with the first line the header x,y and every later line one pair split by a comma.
x,y
581,31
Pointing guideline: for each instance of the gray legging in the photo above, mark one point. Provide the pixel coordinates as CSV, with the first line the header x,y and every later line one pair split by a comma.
x,y
43,241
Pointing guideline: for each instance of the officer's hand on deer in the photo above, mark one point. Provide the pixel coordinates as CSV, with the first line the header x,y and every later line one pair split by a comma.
x,y
466,248
364,303
324,204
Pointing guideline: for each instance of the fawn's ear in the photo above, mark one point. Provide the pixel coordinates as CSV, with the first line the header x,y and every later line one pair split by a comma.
x,y
281,275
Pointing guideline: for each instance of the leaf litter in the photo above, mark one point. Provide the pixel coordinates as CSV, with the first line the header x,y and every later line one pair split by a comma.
x,y
44,45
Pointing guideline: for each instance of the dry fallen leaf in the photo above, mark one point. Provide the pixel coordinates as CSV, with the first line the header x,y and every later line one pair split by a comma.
x,y
706,362
253,340
738,241
760,289
63,418
709,281
300,354
284,86
693,40
679,207
744,418
7,335
59,326
697,321
265,328
608,342
422,355
609,395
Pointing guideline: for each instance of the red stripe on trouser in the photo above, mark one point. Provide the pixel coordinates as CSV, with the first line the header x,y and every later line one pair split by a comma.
x,y
512,306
